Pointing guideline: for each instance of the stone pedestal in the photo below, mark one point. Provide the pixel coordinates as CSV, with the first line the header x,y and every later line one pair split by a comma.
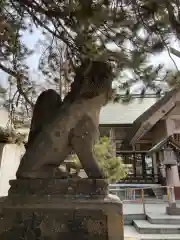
x,y
61,209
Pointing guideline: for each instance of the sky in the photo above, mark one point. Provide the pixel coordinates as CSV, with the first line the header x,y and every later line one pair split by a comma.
x,y
32,39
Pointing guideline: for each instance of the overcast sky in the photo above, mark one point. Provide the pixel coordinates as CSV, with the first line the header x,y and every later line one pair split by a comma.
x,y
161,58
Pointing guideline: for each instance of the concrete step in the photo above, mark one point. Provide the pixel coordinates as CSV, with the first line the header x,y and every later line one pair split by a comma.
x,y
145,227
160,237
128,218
162,219
130,233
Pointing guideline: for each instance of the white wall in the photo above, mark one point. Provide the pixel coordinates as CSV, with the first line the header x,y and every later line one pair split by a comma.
x,y
10,158
4,117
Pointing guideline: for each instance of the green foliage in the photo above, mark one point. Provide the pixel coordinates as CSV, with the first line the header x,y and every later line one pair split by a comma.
x,y
20,89
10,136
112,166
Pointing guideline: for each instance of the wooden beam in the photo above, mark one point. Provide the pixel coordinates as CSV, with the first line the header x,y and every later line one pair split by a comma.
x,y
147,125
175,52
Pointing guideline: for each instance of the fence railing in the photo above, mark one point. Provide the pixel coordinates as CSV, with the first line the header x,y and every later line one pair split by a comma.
x,y
144,195
148,178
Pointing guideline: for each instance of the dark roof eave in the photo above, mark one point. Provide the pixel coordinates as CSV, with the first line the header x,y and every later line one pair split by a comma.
x,y
149,112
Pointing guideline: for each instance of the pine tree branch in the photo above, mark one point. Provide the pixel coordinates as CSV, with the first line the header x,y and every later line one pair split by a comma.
x,y
55,12
18,78
174,23
59,36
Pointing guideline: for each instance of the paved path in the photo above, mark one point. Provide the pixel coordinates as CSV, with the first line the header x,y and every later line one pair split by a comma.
x,y
136,208
130,233
130,238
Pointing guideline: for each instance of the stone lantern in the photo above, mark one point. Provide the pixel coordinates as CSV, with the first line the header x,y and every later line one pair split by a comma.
x,y
170,162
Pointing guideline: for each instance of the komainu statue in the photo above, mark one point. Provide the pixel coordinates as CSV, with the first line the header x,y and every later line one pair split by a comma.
x,y
59,128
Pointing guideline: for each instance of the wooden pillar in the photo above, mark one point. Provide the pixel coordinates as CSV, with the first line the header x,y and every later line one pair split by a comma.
x,y
113,139
155,166
143,165
134,164
154,163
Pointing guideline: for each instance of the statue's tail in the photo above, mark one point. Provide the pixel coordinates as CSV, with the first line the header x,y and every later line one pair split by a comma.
x,y
45,109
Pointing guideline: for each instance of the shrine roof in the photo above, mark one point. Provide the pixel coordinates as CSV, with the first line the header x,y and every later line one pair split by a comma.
x,y
126,113
167,140
150,111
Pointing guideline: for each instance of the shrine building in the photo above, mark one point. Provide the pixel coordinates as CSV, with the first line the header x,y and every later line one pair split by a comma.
x,y
146,134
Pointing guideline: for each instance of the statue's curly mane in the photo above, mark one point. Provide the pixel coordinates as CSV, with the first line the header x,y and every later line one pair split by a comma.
x,y
91,79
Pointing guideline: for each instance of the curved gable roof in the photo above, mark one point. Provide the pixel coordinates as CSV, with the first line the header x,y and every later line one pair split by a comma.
x,y
118,113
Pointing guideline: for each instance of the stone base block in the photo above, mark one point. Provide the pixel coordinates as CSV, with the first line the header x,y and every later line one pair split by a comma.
x,y
173,210
53,217
60,187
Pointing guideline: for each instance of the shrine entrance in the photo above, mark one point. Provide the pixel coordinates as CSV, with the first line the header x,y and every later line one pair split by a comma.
x,y
140,167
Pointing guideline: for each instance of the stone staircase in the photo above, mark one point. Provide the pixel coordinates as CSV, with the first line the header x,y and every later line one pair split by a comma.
x,y
152,226
158,192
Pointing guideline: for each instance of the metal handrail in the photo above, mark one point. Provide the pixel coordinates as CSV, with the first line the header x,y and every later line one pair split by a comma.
x,y
137,188
141,199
